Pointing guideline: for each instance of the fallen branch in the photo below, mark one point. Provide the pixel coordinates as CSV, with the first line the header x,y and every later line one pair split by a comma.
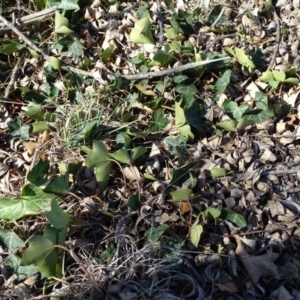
x,y
217,39
122,12
13,78
277,41
160,22
128,77
172,70
23,21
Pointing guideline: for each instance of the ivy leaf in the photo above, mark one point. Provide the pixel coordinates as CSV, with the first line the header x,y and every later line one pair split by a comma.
x,y
42,253
223,82
76,48
68,5
186,89
195,234
159,121
237,219
262,101
174,142
33,201
10,46
233,108
194,117
11,240
153,234
38,172
17,130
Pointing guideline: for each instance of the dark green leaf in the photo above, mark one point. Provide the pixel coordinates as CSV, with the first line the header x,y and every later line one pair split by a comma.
x,y
215,13
123,140
223,82
10,240
163,58
194,117
159,121
57,217
153,234
237,219
58,185
17,130
133,202
10,46
37,174
76,48
42,253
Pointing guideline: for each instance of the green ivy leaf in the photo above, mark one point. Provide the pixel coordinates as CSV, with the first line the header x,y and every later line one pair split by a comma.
x,y
17,130
42,253
123,140
153,234
141,33
97,156
57,217
218,172
233,108
195,234
211,213
121,155
37,174
10,240
158,121
58,185
10,46
76,48
186,89
68,5
237,219
181,195
33,201
223,82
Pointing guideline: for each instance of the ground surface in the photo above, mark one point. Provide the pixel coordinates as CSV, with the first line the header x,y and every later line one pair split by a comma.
x,y
127,172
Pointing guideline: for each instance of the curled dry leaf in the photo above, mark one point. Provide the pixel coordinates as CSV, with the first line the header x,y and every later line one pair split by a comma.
x,y
132,173
86,181
256,266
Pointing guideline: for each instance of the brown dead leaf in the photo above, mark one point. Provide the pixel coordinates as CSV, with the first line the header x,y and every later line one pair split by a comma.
x,y
184,207
144,90
132,173
256,266
31,147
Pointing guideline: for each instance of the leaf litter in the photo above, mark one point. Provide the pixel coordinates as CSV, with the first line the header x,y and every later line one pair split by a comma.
x,y
139,185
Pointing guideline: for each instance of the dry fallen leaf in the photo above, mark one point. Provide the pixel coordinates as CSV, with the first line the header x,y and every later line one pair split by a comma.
x,y
256,266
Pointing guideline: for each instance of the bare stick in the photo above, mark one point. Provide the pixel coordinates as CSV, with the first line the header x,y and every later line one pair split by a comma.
x,y
172,70
39,16
23,37
122,12
160,22
128,77
12,80
277,41
219,38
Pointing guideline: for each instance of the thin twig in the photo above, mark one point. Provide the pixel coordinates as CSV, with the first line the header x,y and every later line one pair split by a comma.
x,y
23,21
172,70
218,18
122,12
13,78
277,41
280,172
160,22
128,77
23,37
219,38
